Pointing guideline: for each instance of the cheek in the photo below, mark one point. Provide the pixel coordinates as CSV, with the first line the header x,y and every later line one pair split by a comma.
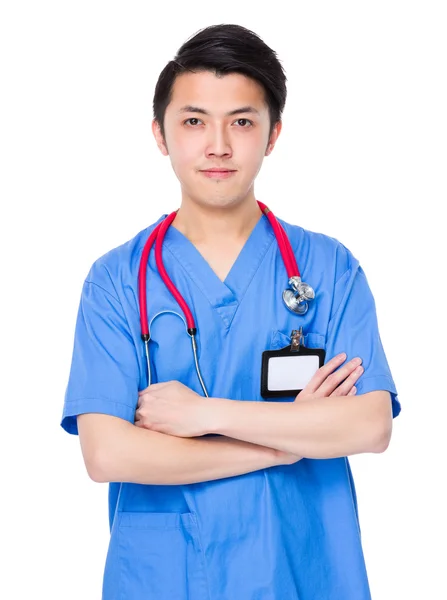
x,y
187,148
184,158
253,162
253,149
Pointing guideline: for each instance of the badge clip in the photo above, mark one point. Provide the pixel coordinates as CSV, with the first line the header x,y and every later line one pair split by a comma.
x,y
297,339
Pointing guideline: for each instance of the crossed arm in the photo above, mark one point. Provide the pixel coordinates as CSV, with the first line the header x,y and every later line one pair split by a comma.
x,y
314,427
325,421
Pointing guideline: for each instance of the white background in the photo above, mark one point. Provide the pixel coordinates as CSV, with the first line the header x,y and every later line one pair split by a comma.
x,y
362,157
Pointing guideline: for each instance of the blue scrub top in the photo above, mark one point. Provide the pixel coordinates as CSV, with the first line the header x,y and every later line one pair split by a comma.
x,y
283,533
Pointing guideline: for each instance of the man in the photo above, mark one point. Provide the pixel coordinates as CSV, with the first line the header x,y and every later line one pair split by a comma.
x,y
231,496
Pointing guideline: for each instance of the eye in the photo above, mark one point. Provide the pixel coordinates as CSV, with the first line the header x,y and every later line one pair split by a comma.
x,y
247,121
237,121
190,119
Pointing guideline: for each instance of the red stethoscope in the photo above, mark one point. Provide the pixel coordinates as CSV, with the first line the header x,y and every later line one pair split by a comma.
x,y
296,297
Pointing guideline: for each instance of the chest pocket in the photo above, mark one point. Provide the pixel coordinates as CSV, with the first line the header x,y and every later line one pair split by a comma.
x,y
279,339
170,350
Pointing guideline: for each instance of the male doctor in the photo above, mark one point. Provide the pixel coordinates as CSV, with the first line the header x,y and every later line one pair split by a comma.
x,y
231,496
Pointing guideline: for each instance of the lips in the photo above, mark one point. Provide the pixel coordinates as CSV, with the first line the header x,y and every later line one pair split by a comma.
x,y
218,173
218,170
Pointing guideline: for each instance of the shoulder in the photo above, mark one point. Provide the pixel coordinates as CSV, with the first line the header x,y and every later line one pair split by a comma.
x,y
120,264
321,249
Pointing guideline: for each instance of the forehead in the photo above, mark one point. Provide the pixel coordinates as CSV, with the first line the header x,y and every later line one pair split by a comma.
x,y
216,94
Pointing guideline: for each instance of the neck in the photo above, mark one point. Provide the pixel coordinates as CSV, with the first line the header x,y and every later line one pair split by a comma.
x,y
210,224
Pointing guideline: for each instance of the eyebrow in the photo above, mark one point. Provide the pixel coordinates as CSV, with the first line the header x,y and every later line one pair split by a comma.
x,y
236,111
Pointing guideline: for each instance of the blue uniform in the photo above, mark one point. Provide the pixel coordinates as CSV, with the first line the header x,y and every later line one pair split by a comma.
x,y
283,533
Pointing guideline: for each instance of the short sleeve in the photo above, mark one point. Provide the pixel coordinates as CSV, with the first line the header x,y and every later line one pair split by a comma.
x,y
353,329
104,373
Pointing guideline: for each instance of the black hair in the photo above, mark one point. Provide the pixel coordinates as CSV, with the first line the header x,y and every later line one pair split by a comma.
x,y
224,49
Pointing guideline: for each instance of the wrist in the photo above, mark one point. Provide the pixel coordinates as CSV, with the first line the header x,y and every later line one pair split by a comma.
x,y
217,408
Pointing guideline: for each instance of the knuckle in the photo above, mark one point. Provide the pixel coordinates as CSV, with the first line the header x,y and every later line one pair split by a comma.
x,y
325,374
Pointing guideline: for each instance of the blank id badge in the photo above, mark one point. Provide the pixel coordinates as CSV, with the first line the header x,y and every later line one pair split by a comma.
x,y
287,371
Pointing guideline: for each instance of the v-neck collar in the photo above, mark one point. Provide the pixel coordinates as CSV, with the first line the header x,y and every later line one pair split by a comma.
x,y
226,295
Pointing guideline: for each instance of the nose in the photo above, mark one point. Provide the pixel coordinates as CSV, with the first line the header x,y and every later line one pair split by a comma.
x,y
218,142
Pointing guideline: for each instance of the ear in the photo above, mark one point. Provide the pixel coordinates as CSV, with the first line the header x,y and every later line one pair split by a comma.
x,y
161,142
273,137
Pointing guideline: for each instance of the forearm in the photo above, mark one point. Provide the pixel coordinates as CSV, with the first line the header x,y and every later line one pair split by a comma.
x,y
126,453
326,427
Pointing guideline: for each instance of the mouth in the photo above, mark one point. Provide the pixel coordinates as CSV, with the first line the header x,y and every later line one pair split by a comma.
x,y
218,173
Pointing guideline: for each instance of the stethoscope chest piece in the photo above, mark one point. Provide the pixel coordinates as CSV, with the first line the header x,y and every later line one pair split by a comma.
x,y
298,296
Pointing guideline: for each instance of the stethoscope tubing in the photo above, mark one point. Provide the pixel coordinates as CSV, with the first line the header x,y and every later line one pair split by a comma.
x,y
285,247
157,237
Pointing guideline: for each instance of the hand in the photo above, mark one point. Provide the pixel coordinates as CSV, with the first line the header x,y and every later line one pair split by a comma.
x,y
329,382
174,409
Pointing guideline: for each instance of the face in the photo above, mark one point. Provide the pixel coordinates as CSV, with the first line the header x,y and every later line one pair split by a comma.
x,y
214,122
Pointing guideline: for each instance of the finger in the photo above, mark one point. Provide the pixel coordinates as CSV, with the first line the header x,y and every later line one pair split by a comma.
x,y
323,372
353,391
344,388
154,386
146,390
335,379
143,398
